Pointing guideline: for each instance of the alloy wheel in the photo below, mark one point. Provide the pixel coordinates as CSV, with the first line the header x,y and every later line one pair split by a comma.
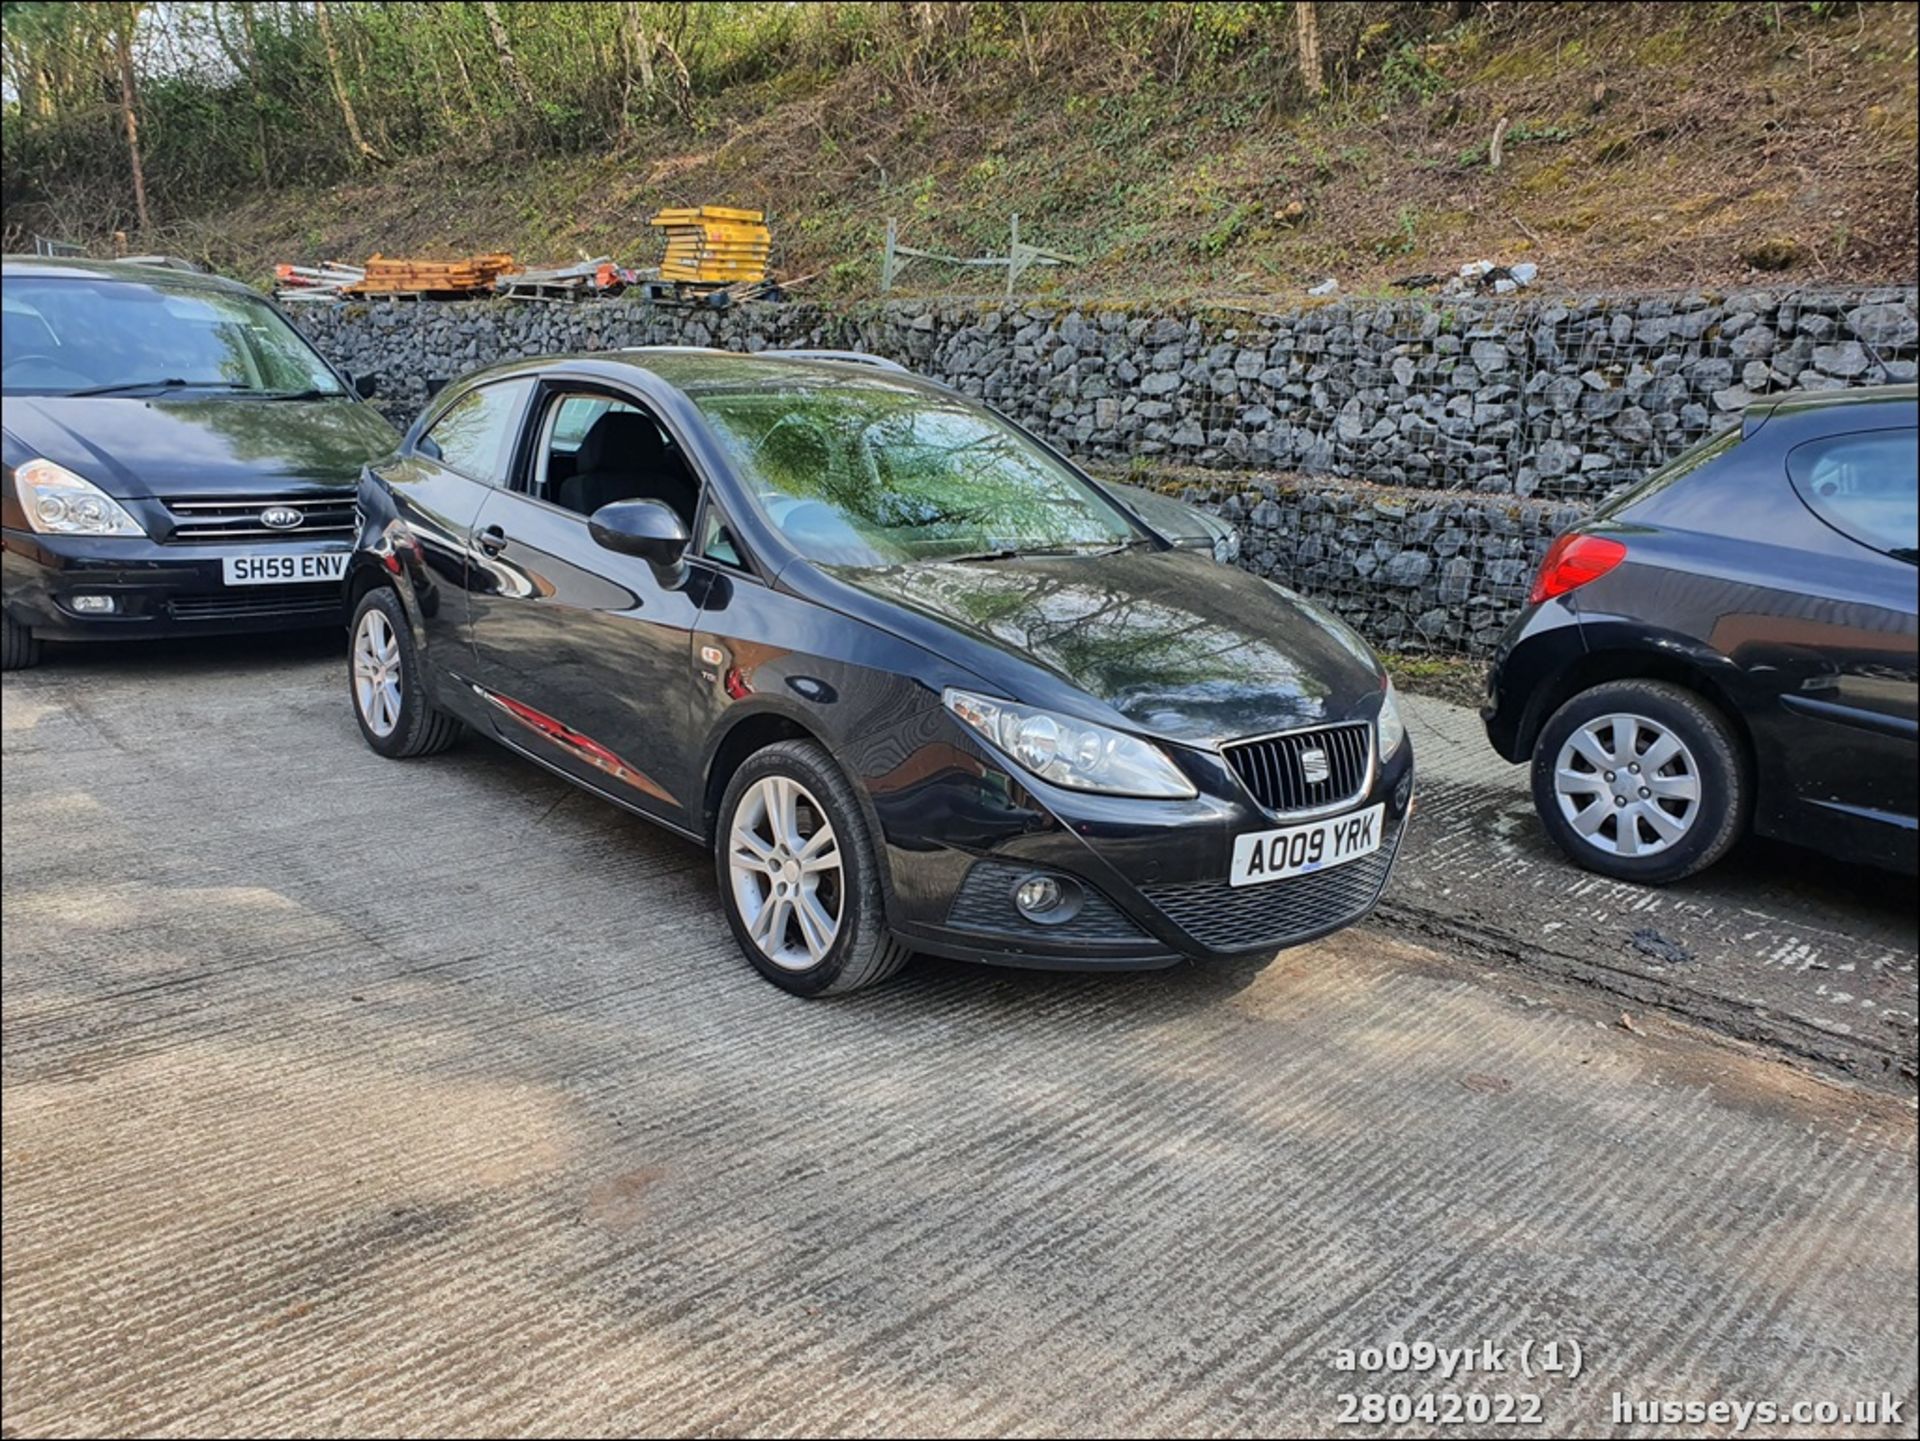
x,y
784,863
1627,785
376,673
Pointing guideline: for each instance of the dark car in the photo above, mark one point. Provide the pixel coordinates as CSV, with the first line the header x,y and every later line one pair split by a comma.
x,y
1730,646
919,683
178,460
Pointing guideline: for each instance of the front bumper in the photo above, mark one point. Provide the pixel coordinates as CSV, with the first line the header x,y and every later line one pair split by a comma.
x,y
158,590
965,829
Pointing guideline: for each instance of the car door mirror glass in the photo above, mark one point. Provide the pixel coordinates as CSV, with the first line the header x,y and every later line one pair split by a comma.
x,y
645,528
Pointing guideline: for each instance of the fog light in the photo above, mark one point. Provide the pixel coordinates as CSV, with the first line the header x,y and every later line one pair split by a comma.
x,y
1036,896
93,604
1048,900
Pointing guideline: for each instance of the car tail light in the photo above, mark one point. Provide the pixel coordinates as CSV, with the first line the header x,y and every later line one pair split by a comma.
x,y
1572,561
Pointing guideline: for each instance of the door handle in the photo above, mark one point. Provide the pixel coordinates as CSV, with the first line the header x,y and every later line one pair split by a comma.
x,y
492,540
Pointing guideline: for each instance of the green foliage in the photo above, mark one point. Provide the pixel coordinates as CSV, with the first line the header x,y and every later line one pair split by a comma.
x,y
237,96
1404,240
1231,228
1408,72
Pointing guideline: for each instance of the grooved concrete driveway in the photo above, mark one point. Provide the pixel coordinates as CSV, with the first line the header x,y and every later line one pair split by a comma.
x,y
346,1096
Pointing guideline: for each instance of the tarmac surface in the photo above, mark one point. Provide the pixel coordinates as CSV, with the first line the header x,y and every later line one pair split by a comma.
x,y
351,1096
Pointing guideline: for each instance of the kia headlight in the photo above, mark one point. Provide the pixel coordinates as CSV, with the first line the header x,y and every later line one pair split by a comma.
x,y
58,502
1393,729
1072,753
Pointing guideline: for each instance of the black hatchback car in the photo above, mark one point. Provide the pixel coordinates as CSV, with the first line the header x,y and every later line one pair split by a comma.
x,y
1731,645
178,460
919,683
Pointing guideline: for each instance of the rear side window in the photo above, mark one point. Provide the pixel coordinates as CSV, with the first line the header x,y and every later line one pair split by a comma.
x,y
475,434
1865,486
576,416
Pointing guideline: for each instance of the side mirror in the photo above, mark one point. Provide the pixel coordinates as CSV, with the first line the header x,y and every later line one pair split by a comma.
x,y
645,528
365,386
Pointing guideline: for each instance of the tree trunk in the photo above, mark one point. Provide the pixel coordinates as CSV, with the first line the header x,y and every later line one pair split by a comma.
x,y
1310,71
503,52
123,21
361,150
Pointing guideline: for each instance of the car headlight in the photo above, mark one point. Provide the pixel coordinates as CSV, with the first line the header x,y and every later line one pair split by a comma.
x,y
1069,752
58,502
1393,729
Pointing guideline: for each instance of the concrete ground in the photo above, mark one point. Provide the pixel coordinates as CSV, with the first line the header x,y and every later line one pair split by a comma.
x,y
343,1095
1775,944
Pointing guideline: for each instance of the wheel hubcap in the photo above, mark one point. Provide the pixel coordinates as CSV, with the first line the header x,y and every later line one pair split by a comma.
x,y
1627,785
376,673
784,863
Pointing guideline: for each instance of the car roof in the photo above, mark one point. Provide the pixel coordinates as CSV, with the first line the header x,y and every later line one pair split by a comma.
x,y
160,276
696,370
1811,403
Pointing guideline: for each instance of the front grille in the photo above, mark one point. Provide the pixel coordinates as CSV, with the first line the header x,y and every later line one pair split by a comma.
x,y
238,517
984,902
1250,918
1274,770
291,602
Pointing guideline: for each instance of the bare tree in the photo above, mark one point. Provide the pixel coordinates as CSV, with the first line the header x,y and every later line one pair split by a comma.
x,y
125,17
503,52
1309,25
361,150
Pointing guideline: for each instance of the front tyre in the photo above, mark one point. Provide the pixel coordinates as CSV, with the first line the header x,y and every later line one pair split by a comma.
x,y
19,646
397,717
1640,780
798,876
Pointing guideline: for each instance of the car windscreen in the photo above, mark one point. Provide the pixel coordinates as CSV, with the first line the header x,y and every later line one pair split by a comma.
x,y
72,335
874,474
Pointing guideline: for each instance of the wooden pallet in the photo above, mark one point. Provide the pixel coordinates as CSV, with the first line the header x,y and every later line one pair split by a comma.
x,y
387,276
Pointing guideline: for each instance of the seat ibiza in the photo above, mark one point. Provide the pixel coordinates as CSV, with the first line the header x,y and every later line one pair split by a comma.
x,y
919,683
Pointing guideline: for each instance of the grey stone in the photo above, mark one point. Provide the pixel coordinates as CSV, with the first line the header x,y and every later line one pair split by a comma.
x,y
1845,358
1408,569
1885,326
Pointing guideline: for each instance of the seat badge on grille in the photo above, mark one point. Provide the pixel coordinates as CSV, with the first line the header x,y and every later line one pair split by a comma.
x,y
1314,767
281,517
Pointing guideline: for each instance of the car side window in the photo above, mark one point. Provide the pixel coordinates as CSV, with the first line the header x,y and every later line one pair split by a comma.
x,y
598,449
1865,485
475,434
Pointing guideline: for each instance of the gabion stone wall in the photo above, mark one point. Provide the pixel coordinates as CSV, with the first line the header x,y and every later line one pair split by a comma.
x,y
1547,397
1410,570
1406,459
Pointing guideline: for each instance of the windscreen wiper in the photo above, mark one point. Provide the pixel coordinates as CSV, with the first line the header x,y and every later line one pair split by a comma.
x,y
170,383
1017,552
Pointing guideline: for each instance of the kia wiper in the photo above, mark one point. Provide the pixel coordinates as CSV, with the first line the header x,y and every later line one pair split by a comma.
x,y
170,383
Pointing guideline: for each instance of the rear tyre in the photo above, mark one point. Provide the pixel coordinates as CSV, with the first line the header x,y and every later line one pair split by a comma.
x,y
19,646
798,875
390,701
1641,780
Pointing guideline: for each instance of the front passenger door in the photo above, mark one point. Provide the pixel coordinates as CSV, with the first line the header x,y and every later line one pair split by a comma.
x,y
582,653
